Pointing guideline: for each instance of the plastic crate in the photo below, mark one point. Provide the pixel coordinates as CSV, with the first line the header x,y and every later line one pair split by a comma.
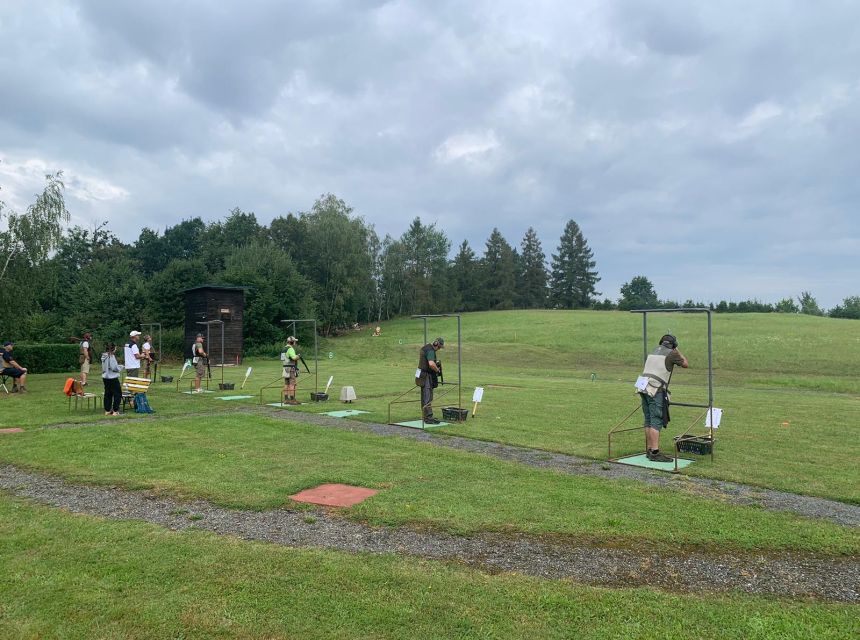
x,y
226,386
698,445
319,396
454,414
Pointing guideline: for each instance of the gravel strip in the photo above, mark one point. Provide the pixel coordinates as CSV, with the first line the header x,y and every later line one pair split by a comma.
x,y
783,575
731,492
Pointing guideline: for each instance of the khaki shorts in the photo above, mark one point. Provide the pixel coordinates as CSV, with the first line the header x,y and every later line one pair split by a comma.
x,y
200,368
85,366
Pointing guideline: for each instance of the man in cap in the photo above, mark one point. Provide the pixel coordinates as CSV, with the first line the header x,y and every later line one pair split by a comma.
x,y
290,360
427,377
12,369
198,359
655,395
85,357
131,353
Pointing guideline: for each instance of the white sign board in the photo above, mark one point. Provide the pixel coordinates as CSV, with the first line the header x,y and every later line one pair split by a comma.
x,y
713,417
641,383
478,395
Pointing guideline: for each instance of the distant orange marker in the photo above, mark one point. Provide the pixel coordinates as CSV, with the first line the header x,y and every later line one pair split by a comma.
x,y
12,430
334,495
786,424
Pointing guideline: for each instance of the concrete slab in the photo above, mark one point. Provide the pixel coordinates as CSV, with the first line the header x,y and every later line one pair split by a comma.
x,y
641,460
418,424
233,397
343,414
12,430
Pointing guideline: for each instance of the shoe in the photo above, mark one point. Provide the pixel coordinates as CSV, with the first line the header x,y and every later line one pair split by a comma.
x,y
115,413
658,457
22,389
432,420
108,413
14,389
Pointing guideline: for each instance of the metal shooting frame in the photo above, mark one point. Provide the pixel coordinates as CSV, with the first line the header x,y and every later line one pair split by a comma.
x,y
209,324
400,398
686,439
278,382
148,328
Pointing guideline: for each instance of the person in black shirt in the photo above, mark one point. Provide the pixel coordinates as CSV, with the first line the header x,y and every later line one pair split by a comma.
x,y
12,369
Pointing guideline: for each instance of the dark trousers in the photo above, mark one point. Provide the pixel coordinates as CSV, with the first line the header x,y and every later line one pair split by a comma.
x,y
427,397
113,394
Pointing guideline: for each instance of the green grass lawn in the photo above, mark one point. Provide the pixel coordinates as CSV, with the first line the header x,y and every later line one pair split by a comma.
x,y
79,577
254,462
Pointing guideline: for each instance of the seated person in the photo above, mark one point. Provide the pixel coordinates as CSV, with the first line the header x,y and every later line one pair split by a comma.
x,y
377,331
12,369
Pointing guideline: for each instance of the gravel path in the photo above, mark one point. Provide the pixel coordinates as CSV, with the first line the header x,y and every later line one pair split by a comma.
x,y
732,492
784,574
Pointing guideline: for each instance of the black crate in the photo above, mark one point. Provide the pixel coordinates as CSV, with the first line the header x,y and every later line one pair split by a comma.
x,y
698,445
167,378
226,386
454,414
319,396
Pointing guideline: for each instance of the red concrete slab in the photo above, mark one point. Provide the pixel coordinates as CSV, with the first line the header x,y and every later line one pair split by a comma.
x,y
334,495
12,430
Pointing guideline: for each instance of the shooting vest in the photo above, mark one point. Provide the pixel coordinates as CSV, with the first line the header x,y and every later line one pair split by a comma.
x,y
656,371
288,361
423,364
85,354
196,348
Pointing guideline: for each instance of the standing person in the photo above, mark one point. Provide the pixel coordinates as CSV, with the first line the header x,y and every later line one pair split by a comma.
x,y
655,397
85,357
12,369
290,359
132,355
146,355
198,359
110,378
427,377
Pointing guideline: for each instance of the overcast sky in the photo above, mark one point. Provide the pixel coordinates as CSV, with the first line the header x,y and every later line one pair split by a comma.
x,y
713,146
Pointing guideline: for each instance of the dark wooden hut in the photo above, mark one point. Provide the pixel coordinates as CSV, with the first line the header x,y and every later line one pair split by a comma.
x,y
215,302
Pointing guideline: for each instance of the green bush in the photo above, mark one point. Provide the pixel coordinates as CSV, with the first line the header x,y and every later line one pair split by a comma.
x,y
47,358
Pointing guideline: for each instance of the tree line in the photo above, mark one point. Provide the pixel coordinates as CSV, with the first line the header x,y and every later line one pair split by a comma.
x,y
327,263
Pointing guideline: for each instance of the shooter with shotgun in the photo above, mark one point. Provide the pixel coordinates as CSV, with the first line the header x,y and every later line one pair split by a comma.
x,y
428,377
290,360
200,360
655,396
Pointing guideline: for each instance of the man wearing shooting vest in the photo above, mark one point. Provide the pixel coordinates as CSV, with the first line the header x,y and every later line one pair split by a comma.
x,y
290,360
655,395
427,377
198,359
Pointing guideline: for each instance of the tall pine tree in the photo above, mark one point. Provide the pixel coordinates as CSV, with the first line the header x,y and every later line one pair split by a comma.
x,y
466,280
573,276
532,284
500,272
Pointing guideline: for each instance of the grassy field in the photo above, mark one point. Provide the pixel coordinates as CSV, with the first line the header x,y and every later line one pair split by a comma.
x,y
553,380
77,577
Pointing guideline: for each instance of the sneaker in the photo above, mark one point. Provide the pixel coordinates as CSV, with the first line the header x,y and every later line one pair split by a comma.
x,y
656,456
14,389
22,389
432,420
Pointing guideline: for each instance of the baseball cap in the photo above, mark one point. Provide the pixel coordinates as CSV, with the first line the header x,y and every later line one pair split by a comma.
x,y
7,343
134,333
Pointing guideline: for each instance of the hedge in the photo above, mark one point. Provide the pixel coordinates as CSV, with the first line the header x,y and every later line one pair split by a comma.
x,y
47,358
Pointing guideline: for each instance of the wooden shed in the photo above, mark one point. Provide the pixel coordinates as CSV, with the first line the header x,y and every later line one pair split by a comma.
x,y
216,302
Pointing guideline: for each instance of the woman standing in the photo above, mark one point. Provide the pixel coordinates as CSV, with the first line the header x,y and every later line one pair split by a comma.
x,y
110,377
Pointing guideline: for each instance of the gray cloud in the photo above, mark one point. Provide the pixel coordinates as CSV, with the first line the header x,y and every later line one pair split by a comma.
x,y
722,136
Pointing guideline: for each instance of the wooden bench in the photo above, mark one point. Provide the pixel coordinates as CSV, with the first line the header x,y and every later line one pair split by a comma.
x,y
132,386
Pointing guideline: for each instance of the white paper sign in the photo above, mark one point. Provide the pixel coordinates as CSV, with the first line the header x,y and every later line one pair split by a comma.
x,y
714,415
418,373
479,393
641,383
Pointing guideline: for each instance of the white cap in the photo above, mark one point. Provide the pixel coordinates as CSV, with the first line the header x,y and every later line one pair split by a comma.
x,y
133,334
